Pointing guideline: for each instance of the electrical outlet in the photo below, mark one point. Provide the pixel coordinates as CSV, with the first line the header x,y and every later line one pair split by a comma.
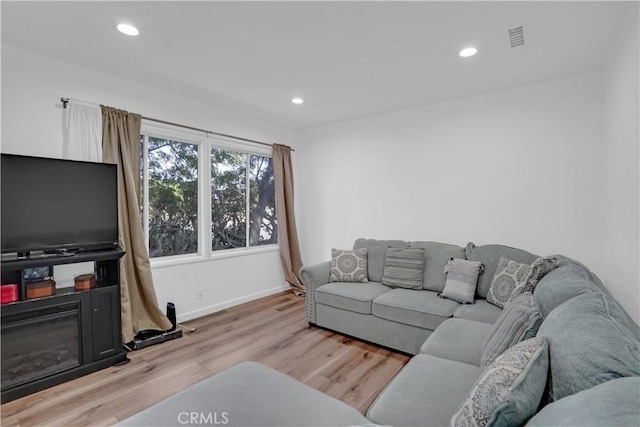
x,y
199,293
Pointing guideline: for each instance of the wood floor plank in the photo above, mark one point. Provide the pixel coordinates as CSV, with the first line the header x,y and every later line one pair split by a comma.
x,y
10,421
51,397
272,331
235,332
254,348
124,399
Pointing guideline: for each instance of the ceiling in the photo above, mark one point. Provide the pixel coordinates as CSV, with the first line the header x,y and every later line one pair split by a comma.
x,y
346,59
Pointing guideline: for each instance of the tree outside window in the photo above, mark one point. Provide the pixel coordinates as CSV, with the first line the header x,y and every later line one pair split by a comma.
x,y
241,188
173,197
263,228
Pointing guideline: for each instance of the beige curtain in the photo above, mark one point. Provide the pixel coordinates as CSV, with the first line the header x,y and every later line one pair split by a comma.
x,y
121,145
287,231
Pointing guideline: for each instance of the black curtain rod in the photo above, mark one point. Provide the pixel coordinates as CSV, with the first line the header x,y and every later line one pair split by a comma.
x,y
65,101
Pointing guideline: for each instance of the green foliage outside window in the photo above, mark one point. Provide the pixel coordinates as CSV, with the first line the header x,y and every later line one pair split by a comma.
x,y
263,228
173,198
228,199
229,203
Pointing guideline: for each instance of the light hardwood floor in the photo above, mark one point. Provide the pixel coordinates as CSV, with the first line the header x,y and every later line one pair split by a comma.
x,y
272,331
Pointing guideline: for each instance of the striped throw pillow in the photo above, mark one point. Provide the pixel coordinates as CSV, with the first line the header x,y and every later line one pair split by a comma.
x,y
403,268
519,320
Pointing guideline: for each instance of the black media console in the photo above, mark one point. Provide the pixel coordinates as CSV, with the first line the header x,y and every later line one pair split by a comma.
x,y
47,341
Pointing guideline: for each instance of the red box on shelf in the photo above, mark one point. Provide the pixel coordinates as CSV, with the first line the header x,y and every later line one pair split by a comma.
x,y
9,293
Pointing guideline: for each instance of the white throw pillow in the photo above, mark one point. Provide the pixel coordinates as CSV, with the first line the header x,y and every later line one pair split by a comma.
x,y
462,279
509,276
349,265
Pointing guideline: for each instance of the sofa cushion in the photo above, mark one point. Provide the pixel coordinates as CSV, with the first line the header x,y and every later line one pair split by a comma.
x,y
509,390
481,311
376,254
436,256
564,261
561,285
403,268
462,279
350,296
249,394
417,308
509,276
489,256
457,339
614,403
348,265
399,336
589,344
426,392
519,320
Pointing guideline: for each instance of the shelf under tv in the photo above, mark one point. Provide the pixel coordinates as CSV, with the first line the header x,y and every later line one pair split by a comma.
x,y
76,257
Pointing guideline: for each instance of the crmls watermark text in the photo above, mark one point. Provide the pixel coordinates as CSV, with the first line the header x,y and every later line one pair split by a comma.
x,y
203,418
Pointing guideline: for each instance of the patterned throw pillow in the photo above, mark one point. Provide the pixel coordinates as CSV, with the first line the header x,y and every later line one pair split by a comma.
x,y
403,268
509,390
462,279
519,320
539,268
348,265
509,275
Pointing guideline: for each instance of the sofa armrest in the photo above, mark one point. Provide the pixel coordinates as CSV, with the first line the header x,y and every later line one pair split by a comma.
x,y
312,277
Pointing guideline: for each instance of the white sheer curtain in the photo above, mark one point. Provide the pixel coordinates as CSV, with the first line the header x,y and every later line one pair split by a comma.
x,y
82,131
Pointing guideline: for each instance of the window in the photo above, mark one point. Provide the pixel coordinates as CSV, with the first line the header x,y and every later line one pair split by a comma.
x,y
263,226
172,196
240,194
228,199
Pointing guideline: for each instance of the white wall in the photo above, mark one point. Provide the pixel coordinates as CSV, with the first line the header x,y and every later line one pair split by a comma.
x,y
32,85
521,167
621,165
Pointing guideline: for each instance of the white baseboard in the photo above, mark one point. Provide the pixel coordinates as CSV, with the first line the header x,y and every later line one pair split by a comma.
x,y
183,317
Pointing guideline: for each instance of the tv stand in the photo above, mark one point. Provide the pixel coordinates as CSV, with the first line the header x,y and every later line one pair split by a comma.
x,y
50,340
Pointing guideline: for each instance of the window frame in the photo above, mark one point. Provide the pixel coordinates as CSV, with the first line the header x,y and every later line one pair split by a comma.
x,y
205,143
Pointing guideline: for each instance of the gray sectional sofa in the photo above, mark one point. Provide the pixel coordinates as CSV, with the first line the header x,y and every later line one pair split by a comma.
x,y
401,319
593,350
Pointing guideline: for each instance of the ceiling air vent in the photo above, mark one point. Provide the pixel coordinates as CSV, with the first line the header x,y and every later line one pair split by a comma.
x,y
516,37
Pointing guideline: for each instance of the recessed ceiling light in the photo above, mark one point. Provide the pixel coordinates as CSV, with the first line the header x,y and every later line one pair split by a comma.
x,y
467,52
127,29
297,100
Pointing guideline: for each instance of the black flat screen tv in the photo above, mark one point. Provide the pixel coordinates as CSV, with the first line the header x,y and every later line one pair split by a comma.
x,y
57,205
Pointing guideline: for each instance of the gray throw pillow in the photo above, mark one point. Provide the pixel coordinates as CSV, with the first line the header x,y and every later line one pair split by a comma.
x,y
519,320
377,250
509,390
403,268
348,265
462,279
509,276
539,269
489,256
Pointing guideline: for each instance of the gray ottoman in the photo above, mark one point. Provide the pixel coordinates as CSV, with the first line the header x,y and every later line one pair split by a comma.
x,y
249,394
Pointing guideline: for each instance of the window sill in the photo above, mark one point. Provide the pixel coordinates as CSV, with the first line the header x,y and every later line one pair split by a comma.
x,y
214,256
